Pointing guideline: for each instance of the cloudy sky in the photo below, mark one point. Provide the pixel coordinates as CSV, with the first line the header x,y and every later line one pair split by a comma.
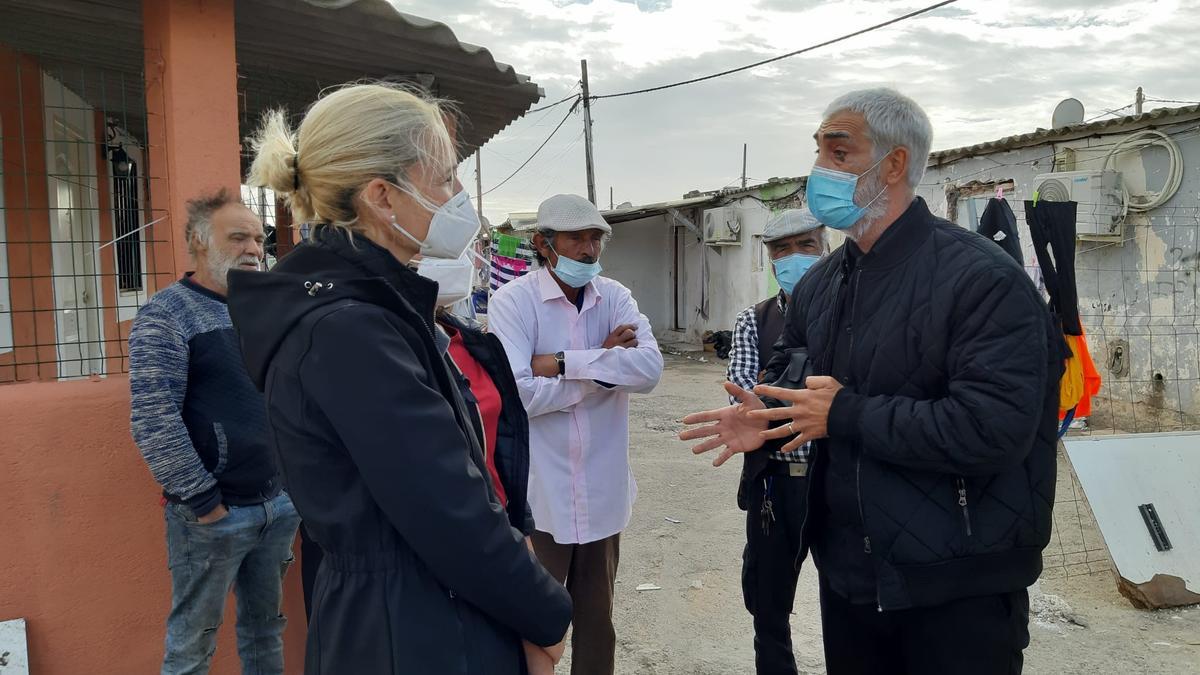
x,y
983,69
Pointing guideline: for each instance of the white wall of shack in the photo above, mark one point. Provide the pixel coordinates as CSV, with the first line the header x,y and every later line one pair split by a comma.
x,y
641,254
1142,290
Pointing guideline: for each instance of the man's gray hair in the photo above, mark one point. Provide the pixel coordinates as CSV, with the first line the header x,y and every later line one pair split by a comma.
x,y
893,120
548,235
200,211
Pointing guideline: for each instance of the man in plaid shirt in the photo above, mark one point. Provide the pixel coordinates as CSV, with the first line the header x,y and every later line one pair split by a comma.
x,y
774,484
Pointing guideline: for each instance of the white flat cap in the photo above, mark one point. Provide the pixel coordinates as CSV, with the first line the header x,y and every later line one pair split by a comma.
x,y
571,213
789,223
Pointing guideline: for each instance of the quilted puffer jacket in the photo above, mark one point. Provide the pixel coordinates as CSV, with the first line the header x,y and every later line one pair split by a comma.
x,y
948,408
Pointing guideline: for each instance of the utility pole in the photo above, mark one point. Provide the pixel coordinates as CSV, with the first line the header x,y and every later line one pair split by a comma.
x,y
478,184
744,166
1137,103
587,133
610,198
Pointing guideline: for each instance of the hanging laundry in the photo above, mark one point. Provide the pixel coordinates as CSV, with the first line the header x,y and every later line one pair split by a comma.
x,y
1052,226
1070,389
1090,380
999,224
511,258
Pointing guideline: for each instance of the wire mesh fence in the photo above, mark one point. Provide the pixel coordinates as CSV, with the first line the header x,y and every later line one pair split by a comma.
x,y
84,235
1138,302
82,245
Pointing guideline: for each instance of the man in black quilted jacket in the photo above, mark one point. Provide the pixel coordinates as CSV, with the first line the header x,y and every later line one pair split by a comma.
x,y
933,411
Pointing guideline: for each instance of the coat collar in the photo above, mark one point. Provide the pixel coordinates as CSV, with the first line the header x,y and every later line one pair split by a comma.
x,y
899,241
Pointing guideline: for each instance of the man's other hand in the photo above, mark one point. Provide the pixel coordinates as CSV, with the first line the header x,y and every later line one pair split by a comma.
x,y
544,365
807,412
732,427
213,516
624,335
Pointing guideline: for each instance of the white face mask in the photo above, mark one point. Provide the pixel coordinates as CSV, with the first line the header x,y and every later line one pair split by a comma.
x,y
453,227
455,278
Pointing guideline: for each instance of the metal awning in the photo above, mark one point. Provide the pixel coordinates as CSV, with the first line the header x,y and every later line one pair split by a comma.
x,y
650,210
287,52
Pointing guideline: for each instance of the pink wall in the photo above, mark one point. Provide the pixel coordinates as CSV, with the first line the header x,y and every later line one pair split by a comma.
x,y
82,549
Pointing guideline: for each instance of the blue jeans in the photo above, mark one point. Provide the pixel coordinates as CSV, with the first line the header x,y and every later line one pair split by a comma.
x,y
249,550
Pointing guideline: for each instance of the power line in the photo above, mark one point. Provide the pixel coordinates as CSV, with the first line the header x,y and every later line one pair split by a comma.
x,y
784,56
535,152
1106,113
556,103
1168,100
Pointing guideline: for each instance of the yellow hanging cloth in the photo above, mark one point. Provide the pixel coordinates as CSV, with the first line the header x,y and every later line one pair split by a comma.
x,y
1070,390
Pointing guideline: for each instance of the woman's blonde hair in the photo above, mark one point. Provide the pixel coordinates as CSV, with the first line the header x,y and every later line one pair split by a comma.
x,y
349,137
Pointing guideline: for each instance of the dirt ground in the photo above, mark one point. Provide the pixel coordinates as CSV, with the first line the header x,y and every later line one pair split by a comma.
x,y
696,623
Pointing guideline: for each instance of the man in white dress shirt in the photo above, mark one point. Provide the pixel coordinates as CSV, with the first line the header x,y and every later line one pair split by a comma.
x,y
578,347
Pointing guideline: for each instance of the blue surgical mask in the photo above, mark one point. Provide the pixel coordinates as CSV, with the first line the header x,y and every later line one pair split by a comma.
x,y
789,269
574,273
830,196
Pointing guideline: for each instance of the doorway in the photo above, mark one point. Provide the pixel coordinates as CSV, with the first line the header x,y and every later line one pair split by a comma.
x,y
74,230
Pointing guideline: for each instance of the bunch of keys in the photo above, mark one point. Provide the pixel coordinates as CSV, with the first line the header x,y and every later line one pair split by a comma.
x,y
767,512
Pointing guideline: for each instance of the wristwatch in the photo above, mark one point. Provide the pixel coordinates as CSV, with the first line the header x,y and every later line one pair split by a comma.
x,y
561,358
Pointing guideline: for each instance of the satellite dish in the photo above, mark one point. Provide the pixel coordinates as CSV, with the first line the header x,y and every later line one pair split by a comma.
x,y
1069,112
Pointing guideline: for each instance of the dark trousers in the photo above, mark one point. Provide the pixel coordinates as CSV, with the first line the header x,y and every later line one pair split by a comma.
x,y
589,572
980,636
771,566
310,561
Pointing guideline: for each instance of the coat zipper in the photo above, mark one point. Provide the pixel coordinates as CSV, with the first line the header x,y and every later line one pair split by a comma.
x,y
815,454
962,503
858,458
862,517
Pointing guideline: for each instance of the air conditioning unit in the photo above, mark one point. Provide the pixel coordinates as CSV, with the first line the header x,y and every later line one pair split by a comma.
x,y
722,227
1101,212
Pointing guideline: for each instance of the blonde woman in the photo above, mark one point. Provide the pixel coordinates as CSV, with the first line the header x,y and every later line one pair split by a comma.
x,y
422,572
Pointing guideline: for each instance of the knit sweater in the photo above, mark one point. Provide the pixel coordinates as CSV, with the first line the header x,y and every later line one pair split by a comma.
x,y
197,418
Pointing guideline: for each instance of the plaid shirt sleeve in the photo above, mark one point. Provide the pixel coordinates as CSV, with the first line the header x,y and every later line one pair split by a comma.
x,y
743,358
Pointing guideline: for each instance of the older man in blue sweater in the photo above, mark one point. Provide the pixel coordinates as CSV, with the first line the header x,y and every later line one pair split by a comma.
x,y
201,426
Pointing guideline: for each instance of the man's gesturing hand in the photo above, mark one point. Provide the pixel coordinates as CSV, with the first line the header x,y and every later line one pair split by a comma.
x,y
807,412
624,335
733,427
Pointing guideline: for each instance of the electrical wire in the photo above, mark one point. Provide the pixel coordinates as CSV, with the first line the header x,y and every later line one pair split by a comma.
x,y
556,103
1168,100
1106,113
781,57
1145,139
535,152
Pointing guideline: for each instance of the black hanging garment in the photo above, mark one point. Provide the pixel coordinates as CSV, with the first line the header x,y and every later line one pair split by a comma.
x,y
1000,225
1053,224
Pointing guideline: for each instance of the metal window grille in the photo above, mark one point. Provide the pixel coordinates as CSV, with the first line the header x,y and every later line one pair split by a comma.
x,y
81,245
127,217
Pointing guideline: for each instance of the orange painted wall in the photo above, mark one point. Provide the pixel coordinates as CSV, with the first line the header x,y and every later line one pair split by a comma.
x,y
27,218
191,101
82,549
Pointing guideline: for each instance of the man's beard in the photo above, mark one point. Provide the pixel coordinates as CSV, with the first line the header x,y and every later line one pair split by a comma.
x,y
864,192
219,265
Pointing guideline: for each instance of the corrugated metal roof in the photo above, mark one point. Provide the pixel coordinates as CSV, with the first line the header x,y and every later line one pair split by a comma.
x,y
287,52
649,210
696,198
1156,117
282,43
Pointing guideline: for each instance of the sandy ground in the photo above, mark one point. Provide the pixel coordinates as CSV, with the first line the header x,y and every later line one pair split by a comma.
x,y
697,624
